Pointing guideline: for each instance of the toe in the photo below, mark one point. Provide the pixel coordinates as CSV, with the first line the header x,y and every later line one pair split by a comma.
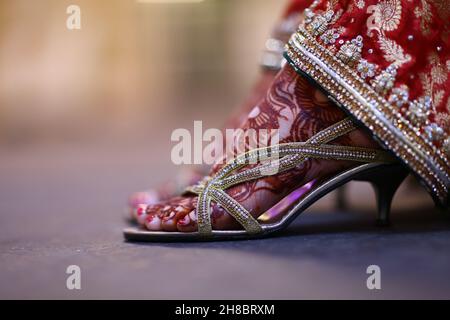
x,y
152,218
188,223
153,222
140,213
165,216
141,198
168,221
220,219
177,211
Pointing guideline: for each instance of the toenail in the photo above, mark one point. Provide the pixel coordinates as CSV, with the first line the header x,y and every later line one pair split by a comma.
x,y
141,214
153,223
141,210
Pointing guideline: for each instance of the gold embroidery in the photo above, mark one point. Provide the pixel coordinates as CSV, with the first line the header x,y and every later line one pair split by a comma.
x,y
383,119
336,16
350,51
422,120
360,4
331,35
426,15
385,16
443,119
332,4
392,51
438,97
431,81
438,74
320,23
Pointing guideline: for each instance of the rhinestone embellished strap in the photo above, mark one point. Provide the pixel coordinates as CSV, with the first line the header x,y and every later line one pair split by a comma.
x,y
290,161
236,210
280,158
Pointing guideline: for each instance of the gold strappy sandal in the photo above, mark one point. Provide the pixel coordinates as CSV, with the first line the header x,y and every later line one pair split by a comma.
x,y
377,166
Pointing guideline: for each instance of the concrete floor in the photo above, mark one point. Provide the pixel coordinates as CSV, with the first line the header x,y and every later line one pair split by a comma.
x,y
63,205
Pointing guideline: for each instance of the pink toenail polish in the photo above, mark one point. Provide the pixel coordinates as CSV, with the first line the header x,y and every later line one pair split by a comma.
x,y
141,213
139,210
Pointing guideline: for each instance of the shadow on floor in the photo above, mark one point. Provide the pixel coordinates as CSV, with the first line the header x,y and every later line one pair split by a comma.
x,y
313,229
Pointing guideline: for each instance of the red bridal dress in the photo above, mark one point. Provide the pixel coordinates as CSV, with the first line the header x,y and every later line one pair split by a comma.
x,y
387,63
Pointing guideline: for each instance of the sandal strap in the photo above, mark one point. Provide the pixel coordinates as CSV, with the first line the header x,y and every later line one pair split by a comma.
x,y
280,158
235,209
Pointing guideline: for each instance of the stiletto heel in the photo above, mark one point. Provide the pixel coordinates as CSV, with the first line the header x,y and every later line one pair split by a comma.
x,y
341,201
385,183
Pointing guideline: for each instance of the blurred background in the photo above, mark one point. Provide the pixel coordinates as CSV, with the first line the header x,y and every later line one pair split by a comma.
x,y
85,119
134,67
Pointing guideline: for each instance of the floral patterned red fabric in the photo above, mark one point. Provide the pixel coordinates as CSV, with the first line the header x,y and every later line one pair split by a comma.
x,y
412,35
390,63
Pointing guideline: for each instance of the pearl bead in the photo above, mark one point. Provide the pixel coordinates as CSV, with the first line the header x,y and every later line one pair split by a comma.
x,y
410,37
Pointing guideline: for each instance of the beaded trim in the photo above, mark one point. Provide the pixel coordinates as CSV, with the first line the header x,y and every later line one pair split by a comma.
x,y
344,85
282,157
